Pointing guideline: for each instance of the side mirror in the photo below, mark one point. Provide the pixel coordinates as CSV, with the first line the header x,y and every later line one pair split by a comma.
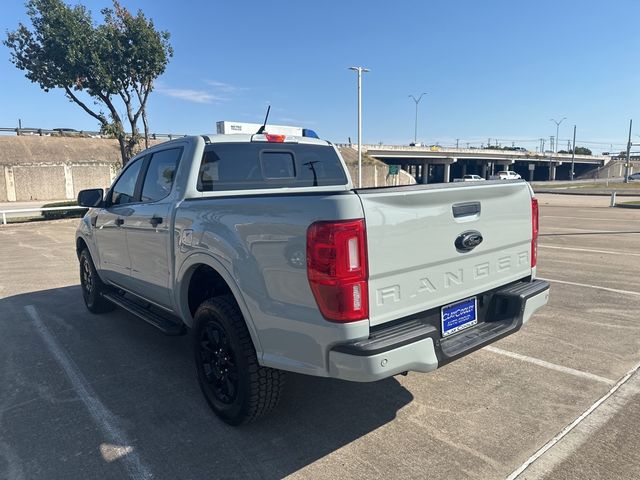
x,y
91,198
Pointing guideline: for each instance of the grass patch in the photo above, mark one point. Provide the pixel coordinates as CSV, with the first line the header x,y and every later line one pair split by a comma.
x,y
594,185
58,214
23,219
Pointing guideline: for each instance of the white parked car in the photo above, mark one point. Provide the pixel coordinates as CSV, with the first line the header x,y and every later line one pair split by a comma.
x,y
472,178
507,175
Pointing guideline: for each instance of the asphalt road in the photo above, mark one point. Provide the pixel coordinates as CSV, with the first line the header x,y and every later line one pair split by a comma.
x,y
100,397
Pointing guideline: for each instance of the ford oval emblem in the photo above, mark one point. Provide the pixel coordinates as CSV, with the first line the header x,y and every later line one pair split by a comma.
x,y
469,240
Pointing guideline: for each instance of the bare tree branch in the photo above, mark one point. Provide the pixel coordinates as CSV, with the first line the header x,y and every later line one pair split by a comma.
x,y
100,118
142,99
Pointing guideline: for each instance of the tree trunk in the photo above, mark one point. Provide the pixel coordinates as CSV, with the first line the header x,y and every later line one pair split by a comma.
x,y
122,141
146,128
119,127
133,142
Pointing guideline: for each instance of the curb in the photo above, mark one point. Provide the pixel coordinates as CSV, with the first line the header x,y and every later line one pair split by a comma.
x,y
627,205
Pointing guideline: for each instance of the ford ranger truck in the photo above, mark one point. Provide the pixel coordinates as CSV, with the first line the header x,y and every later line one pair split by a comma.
x,y
260,246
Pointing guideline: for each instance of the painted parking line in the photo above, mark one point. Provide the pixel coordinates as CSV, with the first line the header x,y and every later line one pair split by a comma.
x,y
589,250
118,446
549,365
597,287
599,219
593,408
583,232
590,231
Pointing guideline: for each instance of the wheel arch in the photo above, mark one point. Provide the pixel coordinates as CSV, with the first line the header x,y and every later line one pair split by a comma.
x,y
81,244
201,267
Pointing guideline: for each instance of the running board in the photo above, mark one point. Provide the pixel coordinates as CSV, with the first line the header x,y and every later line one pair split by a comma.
x,y
162,323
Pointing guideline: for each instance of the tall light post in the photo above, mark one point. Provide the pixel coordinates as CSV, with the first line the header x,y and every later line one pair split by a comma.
x,y
415,132
628,157
555,147
359,70
573,153
557,130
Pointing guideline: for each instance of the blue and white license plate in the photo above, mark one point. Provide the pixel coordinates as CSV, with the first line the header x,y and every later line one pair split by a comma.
x,y
459,316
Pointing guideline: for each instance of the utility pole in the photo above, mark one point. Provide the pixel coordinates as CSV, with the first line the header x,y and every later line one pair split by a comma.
x,y
457,141
628,159
359,70
552,143
415,132
573,153
489,143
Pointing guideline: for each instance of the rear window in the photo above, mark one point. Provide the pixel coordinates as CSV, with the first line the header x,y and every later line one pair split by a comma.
x,y
250,166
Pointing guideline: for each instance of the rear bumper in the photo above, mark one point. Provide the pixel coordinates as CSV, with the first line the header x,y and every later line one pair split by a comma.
x,y
415,343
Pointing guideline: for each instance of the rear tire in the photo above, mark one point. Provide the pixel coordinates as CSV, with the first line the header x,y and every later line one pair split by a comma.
x,y
92,286
236,387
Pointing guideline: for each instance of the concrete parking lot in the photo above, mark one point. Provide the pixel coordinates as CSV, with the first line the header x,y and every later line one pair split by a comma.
x,y
100,397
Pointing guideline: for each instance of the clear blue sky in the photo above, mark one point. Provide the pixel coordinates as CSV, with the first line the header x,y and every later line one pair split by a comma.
x,y
495,69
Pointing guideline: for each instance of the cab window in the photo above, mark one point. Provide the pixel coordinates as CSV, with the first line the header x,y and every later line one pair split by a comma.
x,y
123,191
160,174
256,165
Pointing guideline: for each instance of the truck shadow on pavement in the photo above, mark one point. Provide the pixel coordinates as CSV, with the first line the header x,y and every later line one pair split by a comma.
x,y
147,381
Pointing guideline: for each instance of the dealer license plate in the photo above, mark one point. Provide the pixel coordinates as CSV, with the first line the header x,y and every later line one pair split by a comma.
x,y
459,316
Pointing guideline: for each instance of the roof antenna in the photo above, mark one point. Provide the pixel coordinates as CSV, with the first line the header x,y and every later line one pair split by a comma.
x,y
264,125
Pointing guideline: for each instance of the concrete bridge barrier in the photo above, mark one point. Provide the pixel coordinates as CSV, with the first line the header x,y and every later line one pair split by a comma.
x,y
57,168
54,168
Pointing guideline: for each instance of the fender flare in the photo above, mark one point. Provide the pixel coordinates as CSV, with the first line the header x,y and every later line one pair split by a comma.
x,y
88,239
181,289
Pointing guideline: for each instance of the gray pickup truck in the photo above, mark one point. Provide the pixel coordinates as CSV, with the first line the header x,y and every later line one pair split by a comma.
x,y
262,248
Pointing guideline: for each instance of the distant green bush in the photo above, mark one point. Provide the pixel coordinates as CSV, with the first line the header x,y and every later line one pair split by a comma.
x,y
57,214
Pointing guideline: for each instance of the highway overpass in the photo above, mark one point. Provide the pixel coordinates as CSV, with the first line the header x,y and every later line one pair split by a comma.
x,y
443,164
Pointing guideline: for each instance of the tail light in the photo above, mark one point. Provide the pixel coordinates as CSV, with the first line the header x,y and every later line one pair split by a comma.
x,y
534,232
337,269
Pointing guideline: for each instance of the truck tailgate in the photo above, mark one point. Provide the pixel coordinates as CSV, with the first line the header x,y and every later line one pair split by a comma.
x,y
414,263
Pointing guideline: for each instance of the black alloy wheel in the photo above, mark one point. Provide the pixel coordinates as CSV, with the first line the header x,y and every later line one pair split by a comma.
x,y
218,363
234,384
92,286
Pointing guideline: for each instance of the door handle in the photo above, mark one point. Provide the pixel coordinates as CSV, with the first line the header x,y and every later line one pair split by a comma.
x,y
119,222
155,221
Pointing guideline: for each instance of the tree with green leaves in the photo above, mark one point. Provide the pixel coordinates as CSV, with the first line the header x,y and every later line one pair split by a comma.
x,y
583,151
110,65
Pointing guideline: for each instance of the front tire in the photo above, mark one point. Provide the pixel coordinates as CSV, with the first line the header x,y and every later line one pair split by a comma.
x,y
236,387
92,286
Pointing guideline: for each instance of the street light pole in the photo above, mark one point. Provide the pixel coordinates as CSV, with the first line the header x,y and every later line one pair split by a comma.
x,y
415,132
359,70
573,153
627,160
557,131
555,147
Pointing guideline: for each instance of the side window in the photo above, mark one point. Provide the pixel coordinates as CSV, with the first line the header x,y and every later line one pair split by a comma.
x,y
159,178
124,189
